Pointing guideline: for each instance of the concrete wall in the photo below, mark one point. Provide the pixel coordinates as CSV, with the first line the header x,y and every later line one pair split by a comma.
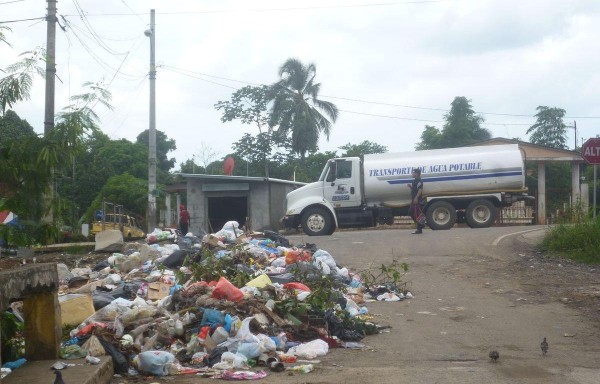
x,y
258,206
196,206
278,193
266,203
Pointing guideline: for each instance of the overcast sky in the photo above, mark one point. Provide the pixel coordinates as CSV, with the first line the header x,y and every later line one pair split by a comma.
x,y
390,66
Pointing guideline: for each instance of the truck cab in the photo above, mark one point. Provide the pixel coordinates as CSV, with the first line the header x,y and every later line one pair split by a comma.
x,y
335,200
341,182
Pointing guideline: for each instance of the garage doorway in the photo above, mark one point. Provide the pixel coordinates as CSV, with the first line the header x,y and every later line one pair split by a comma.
x,y
224,209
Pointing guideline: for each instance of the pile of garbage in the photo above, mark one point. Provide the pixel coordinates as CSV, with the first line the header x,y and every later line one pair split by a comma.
x,y
229,305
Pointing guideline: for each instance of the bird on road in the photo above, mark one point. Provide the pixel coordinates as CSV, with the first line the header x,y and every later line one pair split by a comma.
x,y
58,379
494,355
544,346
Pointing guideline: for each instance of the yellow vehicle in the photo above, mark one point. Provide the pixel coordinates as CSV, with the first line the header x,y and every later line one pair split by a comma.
x,y
125,223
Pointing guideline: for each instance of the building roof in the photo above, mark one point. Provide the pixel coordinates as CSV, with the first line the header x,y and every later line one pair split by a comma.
x,y
238,178
536,152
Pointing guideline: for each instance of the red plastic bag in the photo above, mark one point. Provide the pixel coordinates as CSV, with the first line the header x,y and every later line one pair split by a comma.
x,y
227,291
293,256
89,328
296,285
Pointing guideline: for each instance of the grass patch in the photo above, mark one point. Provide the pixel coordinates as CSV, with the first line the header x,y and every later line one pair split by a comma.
x,y
78,249
580,241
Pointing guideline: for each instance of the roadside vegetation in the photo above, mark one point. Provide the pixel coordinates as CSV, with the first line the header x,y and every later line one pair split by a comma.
x,y
579,241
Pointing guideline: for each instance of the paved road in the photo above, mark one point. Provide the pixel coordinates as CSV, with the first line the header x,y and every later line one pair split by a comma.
x,y
466,304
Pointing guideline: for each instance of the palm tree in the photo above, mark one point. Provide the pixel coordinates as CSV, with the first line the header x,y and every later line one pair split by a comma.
x,y
297,108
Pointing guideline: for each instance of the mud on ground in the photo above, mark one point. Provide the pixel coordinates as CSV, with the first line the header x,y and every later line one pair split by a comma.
x,y
532,276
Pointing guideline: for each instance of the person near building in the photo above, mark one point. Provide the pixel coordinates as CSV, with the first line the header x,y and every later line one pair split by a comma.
x,y
416,202
184,220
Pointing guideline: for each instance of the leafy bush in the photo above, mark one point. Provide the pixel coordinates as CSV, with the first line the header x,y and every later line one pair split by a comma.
x,y
580,241
13,342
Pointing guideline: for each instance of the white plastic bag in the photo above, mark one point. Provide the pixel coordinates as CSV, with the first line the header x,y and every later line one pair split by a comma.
x,y
244,334
310,350
266,344
154,362
325,257
250,350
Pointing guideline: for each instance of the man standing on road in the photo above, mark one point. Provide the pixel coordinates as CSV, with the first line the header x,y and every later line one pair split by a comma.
x,y
416,194
184,220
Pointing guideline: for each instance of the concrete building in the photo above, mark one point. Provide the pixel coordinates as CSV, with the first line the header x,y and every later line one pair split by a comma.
x,y
212,200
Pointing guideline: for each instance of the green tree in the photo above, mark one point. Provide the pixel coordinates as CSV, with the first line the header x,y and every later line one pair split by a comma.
x,y
364,148
12,127
3,36
549,129
430,138
264,150
313,166
249,105
190,166
16,85
297,108
31,164
124,189
462,127
120,156
164,145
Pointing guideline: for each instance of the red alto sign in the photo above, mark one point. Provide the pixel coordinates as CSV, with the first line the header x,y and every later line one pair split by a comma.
x,y
590,150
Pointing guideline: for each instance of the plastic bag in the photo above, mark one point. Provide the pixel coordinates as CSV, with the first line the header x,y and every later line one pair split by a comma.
x,y
227,291
293,256
231,360
325,257
230,231
119,361
212,317
323,267
296,285
244,334
156,363
266,344
138,313
72,352
94,347
310,350
260,281
250,350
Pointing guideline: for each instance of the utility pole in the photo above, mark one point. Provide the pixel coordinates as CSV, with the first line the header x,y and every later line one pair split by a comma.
x,y
50,66
151,33
575,128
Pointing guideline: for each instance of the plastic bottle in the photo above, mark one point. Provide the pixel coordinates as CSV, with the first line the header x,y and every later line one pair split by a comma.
x,y
304,368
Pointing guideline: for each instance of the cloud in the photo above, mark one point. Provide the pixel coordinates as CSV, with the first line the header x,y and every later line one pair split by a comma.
x,y
507,57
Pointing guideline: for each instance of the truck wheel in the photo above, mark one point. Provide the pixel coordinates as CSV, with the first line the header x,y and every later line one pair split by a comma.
x,y
481,214
441,215
316,222
386,220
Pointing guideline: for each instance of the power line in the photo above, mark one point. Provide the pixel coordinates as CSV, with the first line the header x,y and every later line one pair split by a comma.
x,y
93,33
10,2
18,21
277,9
391,117
97,58
196,77
133,13
181,71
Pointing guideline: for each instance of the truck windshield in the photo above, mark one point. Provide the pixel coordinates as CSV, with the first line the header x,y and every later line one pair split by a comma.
x,y
325,171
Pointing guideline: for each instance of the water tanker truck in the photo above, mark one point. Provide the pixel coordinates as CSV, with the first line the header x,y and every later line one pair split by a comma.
x,y
460,184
